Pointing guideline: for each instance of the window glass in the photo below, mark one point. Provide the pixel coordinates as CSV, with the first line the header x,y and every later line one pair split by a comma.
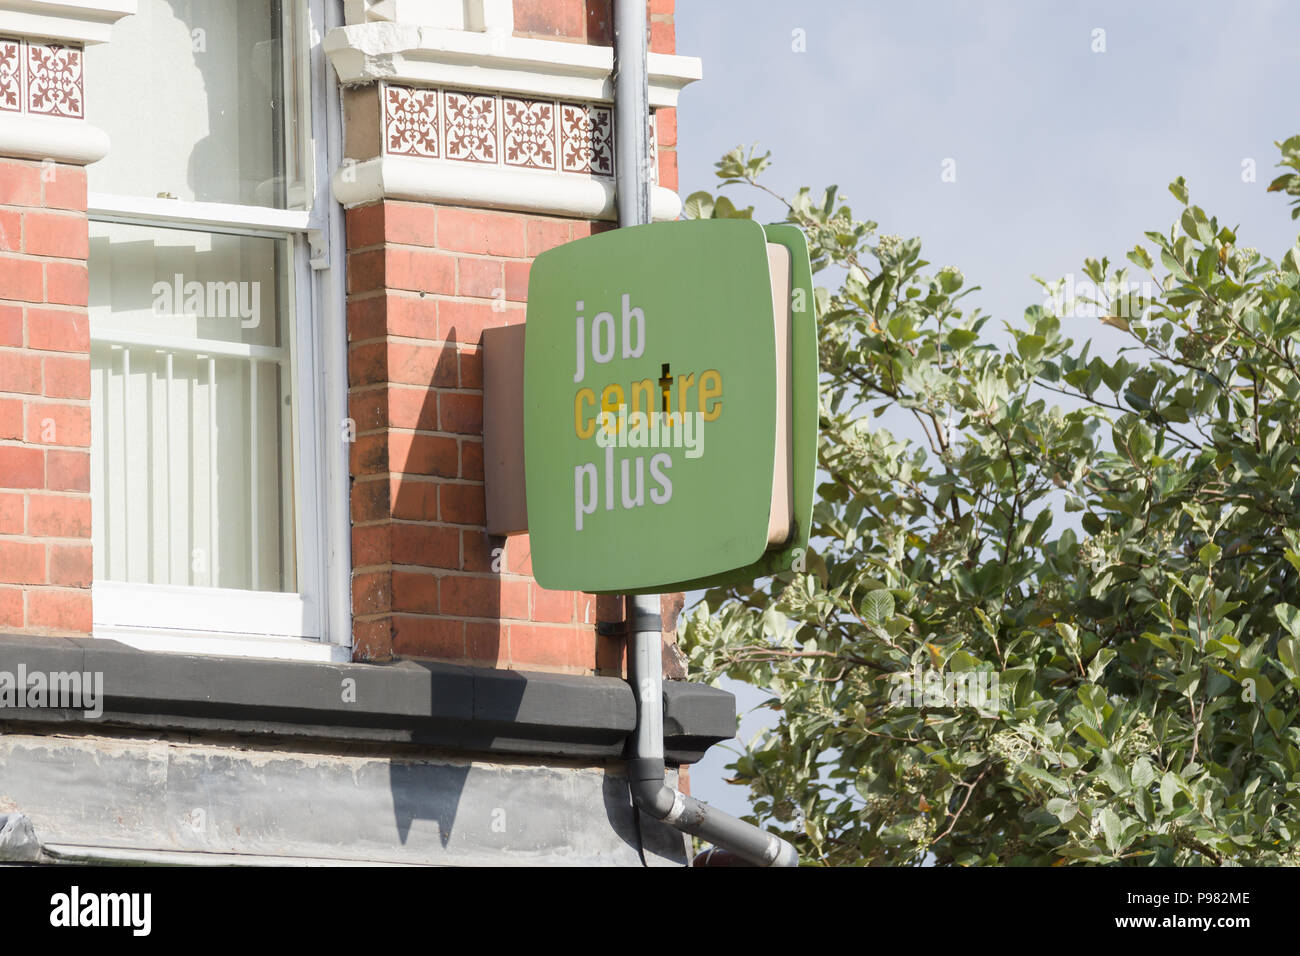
x,y
201,101
192,461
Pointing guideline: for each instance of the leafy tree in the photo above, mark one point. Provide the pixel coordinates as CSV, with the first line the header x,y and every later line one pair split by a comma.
x,y
1112,545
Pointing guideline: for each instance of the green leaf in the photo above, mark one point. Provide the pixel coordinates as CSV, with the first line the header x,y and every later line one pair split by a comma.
x,y
877,607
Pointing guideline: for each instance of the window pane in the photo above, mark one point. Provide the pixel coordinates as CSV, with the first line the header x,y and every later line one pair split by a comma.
x,y
192,462
200,99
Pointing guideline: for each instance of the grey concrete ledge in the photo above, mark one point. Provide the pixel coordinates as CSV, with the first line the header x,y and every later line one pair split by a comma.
x,y
430,704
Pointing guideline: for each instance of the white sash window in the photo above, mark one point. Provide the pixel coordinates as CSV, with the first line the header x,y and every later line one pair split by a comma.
x,y
211,314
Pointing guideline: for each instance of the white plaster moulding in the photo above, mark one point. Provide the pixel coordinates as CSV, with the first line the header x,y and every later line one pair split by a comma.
x,y
421,179
56,138
71,21
458,59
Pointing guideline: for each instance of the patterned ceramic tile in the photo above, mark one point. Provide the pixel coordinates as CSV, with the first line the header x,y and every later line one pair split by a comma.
x,y
11,75
470,127
497,129
586,139
54,80
410,121
528,133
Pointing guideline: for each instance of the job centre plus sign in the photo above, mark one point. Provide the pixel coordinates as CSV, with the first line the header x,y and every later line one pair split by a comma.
x,y
659,403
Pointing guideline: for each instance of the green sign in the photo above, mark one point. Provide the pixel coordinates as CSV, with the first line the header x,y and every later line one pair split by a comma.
x,y
670,406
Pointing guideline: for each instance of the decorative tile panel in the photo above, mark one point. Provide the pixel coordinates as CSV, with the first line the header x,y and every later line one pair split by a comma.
x,y
54,80
586,139
11,75
410,121
501,130
528,133
470,127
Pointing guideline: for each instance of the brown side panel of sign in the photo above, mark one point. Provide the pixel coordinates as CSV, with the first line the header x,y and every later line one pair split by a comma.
x,y
503,430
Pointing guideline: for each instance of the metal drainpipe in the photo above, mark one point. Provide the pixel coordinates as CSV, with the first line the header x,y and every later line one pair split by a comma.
x,y
633,166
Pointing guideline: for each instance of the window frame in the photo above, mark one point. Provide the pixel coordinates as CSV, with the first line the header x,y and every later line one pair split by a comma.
x,y
313,622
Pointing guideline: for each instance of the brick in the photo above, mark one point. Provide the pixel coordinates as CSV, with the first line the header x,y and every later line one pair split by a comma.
x,y
372,593
369,454
544,234
65,188
372,545
412,316
365,226
487,233
62,609
426,546
415,591
412,224
366,270
369,409
372,640
666,127
22,562
21,467
66,376
70,565
471,460
414,499
427,365
479,552
66,283
428,637
368,364
488,597
413,408
661,8
20,184
63,235
668,168
487,643
11,325
554,646
433,455
11,230
586,611
11,608
20,372
471,368
57,330
11,419
556,607
11,513
56,423
462,504
460,412
584,228
419,270
370,499
58,516
479,278
611,656
464,322
519,555
516,279
21,279
562,19
663,37
600,23
367,318
67,470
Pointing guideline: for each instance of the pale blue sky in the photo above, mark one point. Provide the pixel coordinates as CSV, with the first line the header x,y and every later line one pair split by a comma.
x,y
1060,152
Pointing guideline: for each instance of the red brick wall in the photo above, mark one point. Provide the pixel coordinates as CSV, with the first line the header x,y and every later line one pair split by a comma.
x,y
423,283
45,551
